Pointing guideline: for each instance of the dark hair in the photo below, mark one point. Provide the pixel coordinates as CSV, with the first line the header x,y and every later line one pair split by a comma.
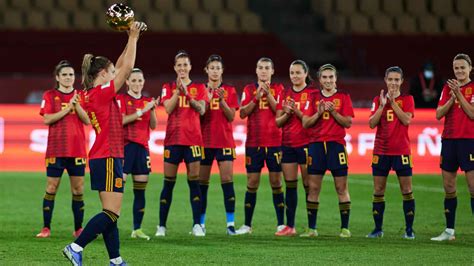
x,y
395,69
62,64
135,70
463,57
326,67
266,59
181,54
91,66
305,67
215,58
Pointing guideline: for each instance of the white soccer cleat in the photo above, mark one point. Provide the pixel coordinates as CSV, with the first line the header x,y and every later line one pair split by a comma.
x,y
160,231
198,230
244,229
280,228
446,235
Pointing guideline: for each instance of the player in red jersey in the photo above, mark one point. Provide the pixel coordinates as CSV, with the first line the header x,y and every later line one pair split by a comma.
x,y
327,114
391,114
62,112
217,133
295,138
184,102
138,118
456,105
263,142
102,80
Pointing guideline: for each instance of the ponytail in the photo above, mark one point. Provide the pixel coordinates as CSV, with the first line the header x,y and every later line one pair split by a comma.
x,y
91,66
305,67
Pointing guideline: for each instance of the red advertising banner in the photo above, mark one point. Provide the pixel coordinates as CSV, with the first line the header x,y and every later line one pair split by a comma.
x,y
23,140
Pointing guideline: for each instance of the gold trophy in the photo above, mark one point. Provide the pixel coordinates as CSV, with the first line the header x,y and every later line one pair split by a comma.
x,y
120,17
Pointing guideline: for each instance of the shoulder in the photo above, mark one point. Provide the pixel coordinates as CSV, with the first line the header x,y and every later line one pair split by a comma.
x,y
250,86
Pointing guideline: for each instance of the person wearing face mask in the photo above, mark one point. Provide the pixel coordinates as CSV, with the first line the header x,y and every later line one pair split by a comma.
x,y
426,87
139,117
391,114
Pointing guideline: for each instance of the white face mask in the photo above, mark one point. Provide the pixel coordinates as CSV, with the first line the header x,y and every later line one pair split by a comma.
x,y
428,74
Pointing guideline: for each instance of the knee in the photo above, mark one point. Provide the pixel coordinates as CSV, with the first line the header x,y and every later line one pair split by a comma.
x,y
226,178
341,190
52,188
275,183
253,182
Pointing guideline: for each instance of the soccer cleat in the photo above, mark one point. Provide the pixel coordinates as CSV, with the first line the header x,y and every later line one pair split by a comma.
x,y
74,257
280,227
244,229
286,231
409,236
76,233
121,264
375,234
160,231
310,233
139,234
198,231
446,235
231,230
345,233
45,233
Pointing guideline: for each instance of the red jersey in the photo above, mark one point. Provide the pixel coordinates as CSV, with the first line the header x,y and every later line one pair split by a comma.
x,y
327,128
457,124
66,136
184,126
262,130
137,131
215,128
106,119
392,136
293,133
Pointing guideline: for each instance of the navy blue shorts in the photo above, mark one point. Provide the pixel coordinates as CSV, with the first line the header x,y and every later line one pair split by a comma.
x,y
294,155
177,153
401,164
107,174
457,153
324,156
137,159
220,154
256,157
74,166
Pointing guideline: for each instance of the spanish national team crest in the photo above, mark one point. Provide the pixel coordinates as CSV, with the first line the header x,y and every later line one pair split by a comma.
x,y
304,96
129,102
400,103
337,103
193,91
468,91
272,91
56,98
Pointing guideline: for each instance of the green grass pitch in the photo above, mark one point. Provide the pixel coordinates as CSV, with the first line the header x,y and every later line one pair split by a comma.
x,y
21,218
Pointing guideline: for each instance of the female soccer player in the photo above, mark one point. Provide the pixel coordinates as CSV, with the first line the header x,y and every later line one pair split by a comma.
x,y
102,80
263,142
216,129
138,117
295,138
184,101
392,113
327,115
62,112
456,105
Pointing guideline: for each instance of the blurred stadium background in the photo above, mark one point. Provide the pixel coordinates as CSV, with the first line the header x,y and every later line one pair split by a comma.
x,y
361,37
